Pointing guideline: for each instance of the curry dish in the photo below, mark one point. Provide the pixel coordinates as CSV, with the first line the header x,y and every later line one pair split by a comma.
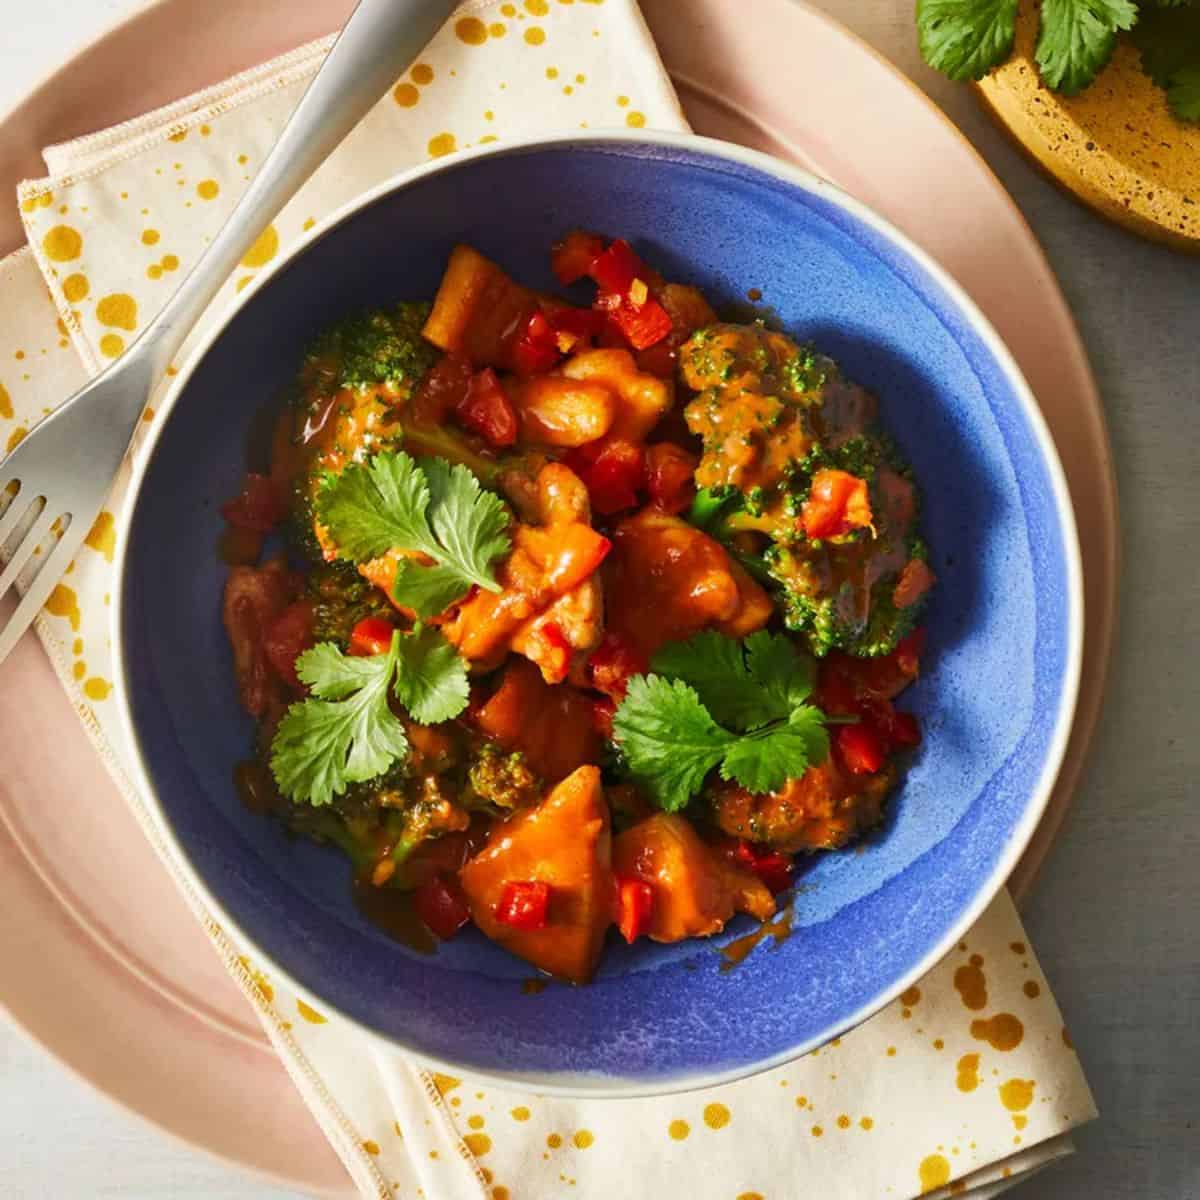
x,y
559,617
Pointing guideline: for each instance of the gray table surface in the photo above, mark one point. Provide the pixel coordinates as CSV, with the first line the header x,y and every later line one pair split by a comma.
x,y
1116,915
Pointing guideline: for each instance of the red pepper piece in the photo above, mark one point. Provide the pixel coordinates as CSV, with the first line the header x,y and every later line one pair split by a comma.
x,y
485,409
443,389
837,505
635,903
575,328
286,638
572,258
536,348
861,748
441,906
372,635
617,267
524,904
905,732
643,325
614,663
612,470
261,505
773,867
670,472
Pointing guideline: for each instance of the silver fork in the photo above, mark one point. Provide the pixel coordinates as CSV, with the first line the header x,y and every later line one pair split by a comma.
x,y
64,469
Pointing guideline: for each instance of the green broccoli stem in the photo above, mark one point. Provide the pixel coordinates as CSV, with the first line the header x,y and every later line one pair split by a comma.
x,y
436,442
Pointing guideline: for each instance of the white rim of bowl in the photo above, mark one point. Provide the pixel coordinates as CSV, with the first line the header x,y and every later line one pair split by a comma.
x,y
587,1085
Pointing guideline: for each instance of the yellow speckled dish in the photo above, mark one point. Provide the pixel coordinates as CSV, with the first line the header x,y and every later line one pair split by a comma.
x,y
1116,145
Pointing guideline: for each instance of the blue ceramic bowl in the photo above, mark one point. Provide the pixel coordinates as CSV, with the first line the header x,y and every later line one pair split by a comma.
x,y
995,701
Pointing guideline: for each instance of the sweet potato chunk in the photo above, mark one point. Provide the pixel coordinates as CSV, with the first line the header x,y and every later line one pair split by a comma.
x,y
666,580
477,310
695,890
642,398
550,725
566,843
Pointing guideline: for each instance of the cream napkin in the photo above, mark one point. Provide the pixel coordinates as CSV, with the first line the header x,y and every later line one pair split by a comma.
x,y
967,1084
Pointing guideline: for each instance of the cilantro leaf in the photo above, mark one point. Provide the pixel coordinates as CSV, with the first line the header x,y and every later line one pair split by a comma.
x,y
1077,38
432,682
763,761
1168,41
743,685
430,507
674,727
321,745
346,731
669,739
965,39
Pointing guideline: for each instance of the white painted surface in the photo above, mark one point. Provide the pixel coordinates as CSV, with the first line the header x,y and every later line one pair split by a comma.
x,y
1115,917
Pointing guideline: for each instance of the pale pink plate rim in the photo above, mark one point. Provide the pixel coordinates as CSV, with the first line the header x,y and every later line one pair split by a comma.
x,y
56,110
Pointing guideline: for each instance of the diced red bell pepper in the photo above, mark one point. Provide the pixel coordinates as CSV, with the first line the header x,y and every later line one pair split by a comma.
x,y
485,409
615,269
614,663
613,471
641,325
861,748
635,903
524,904
261,505
670,472
536,348
905,732
441,906
372,635
286,638
773,867
603,711
575,328
837,505
572,258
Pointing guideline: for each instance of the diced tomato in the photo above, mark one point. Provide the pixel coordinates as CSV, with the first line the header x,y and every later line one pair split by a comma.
x,y
613,471
524,904
615,269
443,389
484,408
261,505
614,663
670,472
861,748
572,258
603,711
286,638
372,635
635,903
579,551
837,505
773,867
536,348
441,906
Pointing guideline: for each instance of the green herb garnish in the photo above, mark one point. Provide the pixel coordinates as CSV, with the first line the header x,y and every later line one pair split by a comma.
x,y
346,731
716,703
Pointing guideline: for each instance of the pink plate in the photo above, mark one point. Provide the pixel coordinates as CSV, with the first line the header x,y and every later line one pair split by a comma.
x,y
103,963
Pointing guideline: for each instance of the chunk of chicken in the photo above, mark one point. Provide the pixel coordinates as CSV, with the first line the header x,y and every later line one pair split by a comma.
x,y
666,580
695,890
550,608
566,843
642,399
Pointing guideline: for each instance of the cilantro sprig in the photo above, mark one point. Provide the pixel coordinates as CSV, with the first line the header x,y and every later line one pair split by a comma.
x,y
346,731
713,703
394,501
965,39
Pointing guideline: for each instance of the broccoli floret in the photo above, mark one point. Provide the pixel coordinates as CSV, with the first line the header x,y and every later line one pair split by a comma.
x,y
817,618
379,347
341,598
500,779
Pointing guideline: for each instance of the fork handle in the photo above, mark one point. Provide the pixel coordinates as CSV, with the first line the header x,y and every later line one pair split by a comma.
x,y
375,47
